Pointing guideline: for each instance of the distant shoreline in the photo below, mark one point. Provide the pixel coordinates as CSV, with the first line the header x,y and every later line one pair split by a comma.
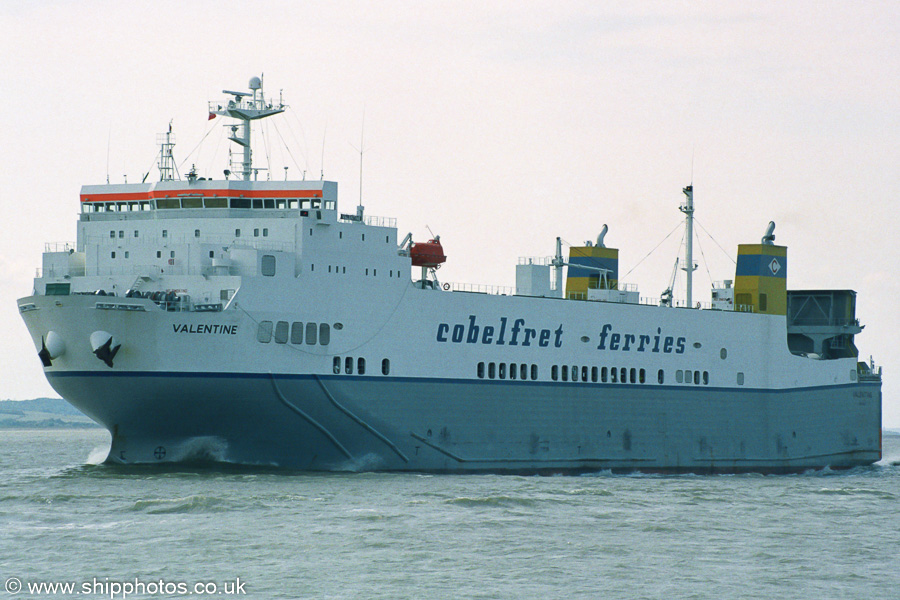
x,y
42,413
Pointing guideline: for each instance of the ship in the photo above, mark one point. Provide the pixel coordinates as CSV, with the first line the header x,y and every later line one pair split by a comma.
x,y
248,321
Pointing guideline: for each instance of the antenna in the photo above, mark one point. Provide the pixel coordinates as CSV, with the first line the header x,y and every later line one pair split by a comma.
x,y
361,149
693,148
322,164
108,140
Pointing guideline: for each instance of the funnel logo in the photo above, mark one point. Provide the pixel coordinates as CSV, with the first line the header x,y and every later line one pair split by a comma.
x,y
774,266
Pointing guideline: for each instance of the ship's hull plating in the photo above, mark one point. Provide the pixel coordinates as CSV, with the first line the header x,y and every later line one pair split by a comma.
x,y
330,423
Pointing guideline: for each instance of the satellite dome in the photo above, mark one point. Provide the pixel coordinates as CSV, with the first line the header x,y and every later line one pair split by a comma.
x,y
255,83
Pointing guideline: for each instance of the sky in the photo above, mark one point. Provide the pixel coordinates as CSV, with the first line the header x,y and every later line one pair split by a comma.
x,y
498,126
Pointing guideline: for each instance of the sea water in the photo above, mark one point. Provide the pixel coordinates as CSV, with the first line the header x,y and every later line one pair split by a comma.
x,y
138,532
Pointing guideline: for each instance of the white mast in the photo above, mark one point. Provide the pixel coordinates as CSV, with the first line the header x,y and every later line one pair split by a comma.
x,y
166,142
558,263
246,107
688,209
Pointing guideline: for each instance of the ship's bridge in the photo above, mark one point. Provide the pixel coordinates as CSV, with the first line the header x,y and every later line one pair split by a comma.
x,y
207,194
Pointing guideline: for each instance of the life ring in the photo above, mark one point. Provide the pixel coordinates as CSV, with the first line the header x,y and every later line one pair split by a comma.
x,y
446,286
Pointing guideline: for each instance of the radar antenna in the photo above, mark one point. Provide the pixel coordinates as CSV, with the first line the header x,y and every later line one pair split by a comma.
x,y
246,107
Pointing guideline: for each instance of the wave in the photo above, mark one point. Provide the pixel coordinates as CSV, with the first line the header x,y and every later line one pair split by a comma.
x,y
492,501
188,504
853,491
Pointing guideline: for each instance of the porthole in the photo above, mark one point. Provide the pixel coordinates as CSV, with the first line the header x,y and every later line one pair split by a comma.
x,y
338,326
264,332
296,332
281,332
698,345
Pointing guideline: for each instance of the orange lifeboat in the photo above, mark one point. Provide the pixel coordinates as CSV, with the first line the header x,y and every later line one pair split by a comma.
x,y
428,254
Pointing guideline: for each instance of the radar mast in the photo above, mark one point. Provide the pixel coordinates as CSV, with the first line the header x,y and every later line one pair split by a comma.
x,y
246,107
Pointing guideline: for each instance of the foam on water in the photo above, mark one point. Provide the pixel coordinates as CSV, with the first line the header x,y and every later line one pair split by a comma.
x,y
203,449
98,455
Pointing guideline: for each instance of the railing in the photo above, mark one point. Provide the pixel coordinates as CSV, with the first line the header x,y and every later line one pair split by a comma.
x,y
168,301
381,221
59,247
825,322
478,288
536,260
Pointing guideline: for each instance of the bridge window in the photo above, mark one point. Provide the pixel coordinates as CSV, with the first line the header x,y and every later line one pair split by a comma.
x,y
534,372
554,372
311,334
386,366
480,370
740,379
661,376
361,366
324,334
336,365
348,365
